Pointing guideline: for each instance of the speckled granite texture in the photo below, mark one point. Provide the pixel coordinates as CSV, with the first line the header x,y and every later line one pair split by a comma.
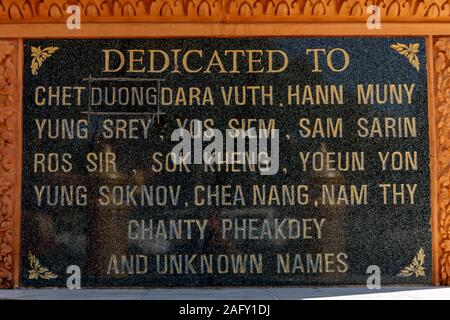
x,y
91,234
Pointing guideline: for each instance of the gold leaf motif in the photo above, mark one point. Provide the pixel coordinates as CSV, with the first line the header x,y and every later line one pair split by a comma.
x,y
410,52
416,267
37,270
39,56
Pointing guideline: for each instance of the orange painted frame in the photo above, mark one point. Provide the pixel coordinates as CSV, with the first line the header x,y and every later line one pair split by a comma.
x,y
23,19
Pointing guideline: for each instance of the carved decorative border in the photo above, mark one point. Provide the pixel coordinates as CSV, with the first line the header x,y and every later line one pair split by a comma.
x,y
442,107
8,162
41,11
224,10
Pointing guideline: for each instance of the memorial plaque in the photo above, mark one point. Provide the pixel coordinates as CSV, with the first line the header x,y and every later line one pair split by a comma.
x,y
333,182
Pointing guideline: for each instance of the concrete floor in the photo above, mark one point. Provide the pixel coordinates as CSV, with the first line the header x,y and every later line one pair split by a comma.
x,y
307,293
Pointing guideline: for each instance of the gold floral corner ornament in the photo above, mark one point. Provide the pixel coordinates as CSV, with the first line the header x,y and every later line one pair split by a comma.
x,y
416,267
39,56
37,271
410,52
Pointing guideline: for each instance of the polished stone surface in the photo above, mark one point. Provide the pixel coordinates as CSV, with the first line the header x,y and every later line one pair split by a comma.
x,y
353,236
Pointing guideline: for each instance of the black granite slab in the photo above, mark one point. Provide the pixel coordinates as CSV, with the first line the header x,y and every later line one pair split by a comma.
x,y
90,235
